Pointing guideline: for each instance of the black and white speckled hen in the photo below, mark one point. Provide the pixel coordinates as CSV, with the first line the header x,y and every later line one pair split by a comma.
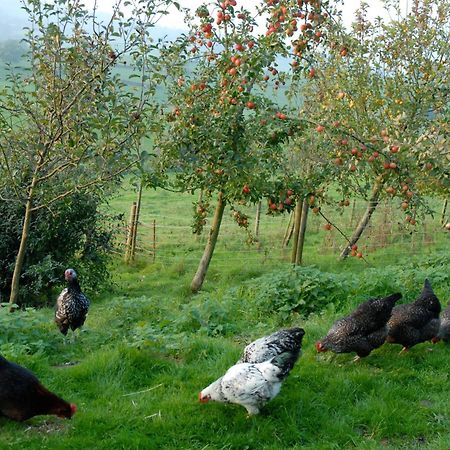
x,y
251,385
267,347
416,322
72,305
444,328
364,330
22,396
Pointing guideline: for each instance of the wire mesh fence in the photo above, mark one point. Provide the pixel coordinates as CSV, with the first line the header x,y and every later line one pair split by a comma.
x,y
164,234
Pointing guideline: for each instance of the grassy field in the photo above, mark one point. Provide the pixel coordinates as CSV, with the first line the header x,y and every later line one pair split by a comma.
x,y
150,346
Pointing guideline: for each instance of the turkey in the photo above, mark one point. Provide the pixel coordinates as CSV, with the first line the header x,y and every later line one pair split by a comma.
x,y
364,330
444,329
267,347
416,322
22,396
251,385
72,305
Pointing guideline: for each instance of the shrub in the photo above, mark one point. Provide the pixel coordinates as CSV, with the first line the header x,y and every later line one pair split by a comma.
x,y
76,234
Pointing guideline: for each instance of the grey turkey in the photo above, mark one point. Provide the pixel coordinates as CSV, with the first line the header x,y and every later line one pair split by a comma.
x,y
416,322
72,305
364,330
267,347
444,329
251,385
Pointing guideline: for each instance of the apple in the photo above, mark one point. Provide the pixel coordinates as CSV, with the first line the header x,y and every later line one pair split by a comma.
x,y
251,105
327,226
320,128
395,148
246,189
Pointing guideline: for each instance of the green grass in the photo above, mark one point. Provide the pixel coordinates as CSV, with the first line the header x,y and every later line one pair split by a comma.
x,y
141,338
149,333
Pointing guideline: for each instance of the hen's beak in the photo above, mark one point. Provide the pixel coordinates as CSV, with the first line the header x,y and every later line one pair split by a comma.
x,y
203,399
319,347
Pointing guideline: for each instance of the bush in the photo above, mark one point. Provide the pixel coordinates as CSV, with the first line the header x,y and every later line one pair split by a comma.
x,y
286,296
76,234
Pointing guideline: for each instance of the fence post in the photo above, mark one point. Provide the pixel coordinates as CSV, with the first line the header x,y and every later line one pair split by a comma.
x,y
154,240
257,219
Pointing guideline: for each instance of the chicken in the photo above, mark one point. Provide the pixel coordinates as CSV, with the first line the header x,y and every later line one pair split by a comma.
x,y
444,329
267,347
416,322
22,395
72,305
251,385
364,330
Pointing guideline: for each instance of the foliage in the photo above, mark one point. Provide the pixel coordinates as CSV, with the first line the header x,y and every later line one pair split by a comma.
x,y
292,294
78,235
224,132
68,123
379,110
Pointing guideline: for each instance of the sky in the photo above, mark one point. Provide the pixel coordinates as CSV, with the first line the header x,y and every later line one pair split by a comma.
x,y
175,18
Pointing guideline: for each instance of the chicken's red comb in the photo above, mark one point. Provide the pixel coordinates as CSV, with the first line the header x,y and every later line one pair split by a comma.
x,y
73,408
319,347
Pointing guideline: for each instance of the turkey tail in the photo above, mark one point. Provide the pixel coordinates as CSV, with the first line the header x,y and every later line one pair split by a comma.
x,y
285,362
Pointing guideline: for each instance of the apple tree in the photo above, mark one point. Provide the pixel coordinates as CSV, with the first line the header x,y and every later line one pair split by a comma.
x,y
68,123
379,110
225,132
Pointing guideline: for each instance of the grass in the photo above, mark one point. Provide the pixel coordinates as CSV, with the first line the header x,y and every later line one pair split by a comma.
x,y
150,334
139,337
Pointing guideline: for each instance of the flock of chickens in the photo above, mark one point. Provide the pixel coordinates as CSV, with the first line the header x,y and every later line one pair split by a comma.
x,y
264,364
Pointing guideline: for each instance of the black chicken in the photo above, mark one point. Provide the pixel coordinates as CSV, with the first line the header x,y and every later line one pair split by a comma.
x,y
364,330
416,322
22,395
72,305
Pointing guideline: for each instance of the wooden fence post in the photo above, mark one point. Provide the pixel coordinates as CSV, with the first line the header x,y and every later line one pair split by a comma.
x,y
154,240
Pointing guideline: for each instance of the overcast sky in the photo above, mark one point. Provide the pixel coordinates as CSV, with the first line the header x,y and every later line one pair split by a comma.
x,y
175,19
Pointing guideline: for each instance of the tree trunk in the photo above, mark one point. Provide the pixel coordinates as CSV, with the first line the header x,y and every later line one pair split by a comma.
x,y
200,275
136,221
444,212
14,296
289,231
371,206
302,232
297,220
129,244
257,219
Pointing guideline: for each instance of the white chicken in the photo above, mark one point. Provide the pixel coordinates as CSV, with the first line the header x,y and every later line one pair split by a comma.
x,y
251,385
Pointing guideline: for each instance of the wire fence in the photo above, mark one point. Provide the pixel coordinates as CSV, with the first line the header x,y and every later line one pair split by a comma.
x,y
168,238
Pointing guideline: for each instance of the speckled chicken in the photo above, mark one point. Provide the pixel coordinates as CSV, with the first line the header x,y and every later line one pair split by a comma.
x,y
72,305
22,396
267,347
416,322
364,330
251,385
